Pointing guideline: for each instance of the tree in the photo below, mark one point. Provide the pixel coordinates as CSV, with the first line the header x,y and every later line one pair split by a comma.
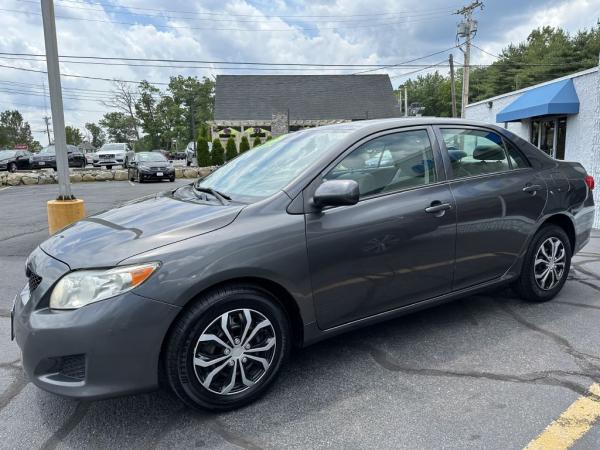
x,y
230,149
14,130
118,127
124,99
74,136
244,144
269,137
256,142
216,154
192,95
95,134
202,153
147,111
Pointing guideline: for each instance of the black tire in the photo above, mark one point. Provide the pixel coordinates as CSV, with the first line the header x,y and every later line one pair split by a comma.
x,y
12,167
189,163
172,179
526,286
138,177
109,167
184,336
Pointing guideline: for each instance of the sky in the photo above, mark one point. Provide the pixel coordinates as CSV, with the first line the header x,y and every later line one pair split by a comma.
x,y
277,31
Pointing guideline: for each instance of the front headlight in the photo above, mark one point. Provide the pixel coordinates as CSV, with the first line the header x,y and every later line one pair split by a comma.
x,y
82,287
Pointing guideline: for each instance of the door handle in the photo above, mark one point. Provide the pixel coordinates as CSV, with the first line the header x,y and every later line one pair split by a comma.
x,y
437,207
532,188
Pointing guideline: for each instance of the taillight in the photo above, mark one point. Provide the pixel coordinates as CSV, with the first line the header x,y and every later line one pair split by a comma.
x,y
589,180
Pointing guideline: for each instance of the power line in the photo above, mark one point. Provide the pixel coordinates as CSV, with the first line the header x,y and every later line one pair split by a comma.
x,y
174,27
409,61
246,15
260,19
419,70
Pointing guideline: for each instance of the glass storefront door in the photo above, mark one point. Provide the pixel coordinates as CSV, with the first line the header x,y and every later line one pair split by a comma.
x,y
549,135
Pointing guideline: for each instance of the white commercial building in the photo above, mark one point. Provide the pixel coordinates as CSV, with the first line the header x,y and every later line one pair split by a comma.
x,y
561,117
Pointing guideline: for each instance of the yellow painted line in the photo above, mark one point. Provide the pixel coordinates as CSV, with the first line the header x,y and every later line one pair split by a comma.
x,y
571,425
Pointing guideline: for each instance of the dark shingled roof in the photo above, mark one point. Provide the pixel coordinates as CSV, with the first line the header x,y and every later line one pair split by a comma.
x,y
307,97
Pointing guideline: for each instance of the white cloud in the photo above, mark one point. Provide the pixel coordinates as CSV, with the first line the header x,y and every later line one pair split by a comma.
x,y
407,35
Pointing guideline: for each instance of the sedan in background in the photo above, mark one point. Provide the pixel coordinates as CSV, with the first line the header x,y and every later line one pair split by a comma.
x,y
13,160
146,166
206,288
46,158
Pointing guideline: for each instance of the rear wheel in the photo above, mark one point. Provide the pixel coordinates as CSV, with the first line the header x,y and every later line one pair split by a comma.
x,y
12,167
546,265
227,348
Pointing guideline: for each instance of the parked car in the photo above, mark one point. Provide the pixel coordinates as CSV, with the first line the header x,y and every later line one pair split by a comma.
x,y
13,160
112,154
46,158
146,166
208,286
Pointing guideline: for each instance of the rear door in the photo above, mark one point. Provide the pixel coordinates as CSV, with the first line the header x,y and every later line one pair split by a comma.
x,y
498,196
396,245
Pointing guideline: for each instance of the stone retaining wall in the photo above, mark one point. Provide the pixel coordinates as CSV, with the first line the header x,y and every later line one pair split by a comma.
x,y
48,176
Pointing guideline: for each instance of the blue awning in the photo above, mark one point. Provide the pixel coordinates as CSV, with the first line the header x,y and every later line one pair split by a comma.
x,y
554,98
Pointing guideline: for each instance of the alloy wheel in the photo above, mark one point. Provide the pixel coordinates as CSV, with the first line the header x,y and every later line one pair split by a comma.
x,y
549,264
234,352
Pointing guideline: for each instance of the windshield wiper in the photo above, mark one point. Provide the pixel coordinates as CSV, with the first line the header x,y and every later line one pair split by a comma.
x,y
223,198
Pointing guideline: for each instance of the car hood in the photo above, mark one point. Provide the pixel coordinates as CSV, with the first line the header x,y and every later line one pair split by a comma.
x,y
106,239
148,164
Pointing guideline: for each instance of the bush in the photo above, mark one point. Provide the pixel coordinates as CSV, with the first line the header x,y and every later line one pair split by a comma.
x,y
216,154
256,142
202,153
269,137
230,149
244,145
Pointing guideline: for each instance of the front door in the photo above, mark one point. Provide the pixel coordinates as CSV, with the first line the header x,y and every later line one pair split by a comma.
x,y
387,250
499,198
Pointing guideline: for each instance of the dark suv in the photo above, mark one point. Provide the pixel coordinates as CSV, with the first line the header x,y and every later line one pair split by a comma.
x,y
208,286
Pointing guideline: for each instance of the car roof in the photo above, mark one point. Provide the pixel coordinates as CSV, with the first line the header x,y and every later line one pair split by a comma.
x,y
375,125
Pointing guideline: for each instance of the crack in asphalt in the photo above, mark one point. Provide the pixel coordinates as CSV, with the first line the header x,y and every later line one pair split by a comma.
x,y
383,359
65,429
25,233
15,387
580,305
228,435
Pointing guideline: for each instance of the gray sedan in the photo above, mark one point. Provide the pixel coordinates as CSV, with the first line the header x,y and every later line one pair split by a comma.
x,y
207,287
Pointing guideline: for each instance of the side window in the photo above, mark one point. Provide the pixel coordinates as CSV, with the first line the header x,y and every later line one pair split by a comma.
x,y
517,160
389,163
475,152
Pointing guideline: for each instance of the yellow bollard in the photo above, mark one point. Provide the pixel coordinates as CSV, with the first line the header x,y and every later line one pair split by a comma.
x,y
64,212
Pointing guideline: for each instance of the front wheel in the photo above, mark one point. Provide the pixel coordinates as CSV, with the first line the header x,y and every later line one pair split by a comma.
x,y
546,265
227,348
12,167
109,167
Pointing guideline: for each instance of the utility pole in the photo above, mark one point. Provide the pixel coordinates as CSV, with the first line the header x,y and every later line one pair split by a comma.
x,y
452,87
405,102
65,209
47,120
467,30
193,124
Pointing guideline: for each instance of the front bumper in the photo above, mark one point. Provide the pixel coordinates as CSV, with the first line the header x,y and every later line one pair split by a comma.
x,y
43,164
154,175
104,349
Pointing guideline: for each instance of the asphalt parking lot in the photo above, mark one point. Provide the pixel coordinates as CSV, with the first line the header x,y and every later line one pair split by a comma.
x,y
488,371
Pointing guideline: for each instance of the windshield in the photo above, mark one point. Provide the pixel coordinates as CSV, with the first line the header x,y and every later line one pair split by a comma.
x,y
7,154
155,156
269,167
48,150
113,147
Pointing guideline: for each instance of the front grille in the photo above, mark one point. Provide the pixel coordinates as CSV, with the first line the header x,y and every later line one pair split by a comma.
x,y
73,366
157,168
107,156
34,279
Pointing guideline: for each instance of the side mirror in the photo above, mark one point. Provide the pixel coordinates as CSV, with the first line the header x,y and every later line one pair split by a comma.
x,y
336,193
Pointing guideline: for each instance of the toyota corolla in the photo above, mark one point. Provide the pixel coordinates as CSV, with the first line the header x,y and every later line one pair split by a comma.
x,y
207,287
